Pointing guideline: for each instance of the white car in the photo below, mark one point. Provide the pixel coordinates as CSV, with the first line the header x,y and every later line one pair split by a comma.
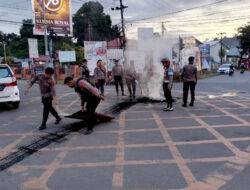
x,y
224,69
9,92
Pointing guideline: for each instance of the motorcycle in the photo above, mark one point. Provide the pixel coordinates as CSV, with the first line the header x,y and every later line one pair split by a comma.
x,y
242,71
231,72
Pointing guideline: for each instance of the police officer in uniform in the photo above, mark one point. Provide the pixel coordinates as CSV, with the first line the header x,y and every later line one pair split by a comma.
x,y
90,99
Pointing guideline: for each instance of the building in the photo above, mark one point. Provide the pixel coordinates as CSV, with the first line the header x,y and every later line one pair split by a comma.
x,y
215,48
233,54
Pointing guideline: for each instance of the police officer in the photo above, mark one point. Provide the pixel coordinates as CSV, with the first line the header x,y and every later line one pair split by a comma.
x,y
117,73
189,76
168,83
84,70
89,95
48,93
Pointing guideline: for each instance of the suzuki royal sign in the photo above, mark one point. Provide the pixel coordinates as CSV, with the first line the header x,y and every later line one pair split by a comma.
x,y
55,14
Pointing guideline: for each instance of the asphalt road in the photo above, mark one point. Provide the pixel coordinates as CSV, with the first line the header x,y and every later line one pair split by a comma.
x,y
205,147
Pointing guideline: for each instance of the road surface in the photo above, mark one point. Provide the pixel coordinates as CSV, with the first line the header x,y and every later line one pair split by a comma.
x,y
205,147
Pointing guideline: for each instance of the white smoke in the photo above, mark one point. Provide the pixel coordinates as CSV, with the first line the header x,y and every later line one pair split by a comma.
x,y
154,48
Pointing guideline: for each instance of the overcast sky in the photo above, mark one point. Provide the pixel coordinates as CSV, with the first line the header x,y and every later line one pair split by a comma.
x,y
204,20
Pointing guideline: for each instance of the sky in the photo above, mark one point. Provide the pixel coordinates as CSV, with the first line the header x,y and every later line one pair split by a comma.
x,y
202,19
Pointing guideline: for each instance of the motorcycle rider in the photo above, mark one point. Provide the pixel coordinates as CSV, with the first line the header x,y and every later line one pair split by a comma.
x,y
242,68
231,70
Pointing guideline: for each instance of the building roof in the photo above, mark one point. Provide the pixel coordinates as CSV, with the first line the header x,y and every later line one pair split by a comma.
x,y
231,42
215,42
233,52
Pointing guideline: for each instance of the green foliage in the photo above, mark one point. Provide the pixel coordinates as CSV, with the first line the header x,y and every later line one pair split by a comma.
x,y
79,54
26,30
222,53
244,37
90,22
9,60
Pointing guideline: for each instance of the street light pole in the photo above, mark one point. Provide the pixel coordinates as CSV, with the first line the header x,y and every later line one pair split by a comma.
x,y
45,29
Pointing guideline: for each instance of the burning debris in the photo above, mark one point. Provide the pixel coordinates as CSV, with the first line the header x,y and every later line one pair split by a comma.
x,y
60,136
100,118
121,106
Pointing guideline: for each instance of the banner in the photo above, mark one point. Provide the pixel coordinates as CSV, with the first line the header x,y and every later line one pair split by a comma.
x,y
93,52
57,16
115,54
33,48
67,56
205,56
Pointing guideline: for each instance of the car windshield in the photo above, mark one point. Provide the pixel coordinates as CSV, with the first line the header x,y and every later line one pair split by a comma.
x,y
5,72
225,66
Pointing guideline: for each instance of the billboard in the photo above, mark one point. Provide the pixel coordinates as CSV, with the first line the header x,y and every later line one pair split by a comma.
x,y
93,51
67,56
56,14
33,48
205,56
115,54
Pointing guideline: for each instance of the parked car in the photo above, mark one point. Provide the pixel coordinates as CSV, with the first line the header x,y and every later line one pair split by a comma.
x,y
9,92
224,69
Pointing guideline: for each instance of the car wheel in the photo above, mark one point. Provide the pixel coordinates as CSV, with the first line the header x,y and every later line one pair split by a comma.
x,y
16,105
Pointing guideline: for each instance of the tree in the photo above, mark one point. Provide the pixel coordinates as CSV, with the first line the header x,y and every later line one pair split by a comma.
x,y
244,37
222,53
26,30
9,60
91,23
79,54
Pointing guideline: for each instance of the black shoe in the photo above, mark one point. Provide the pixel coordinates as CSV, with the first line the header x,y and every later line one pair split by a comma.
x,y
58,120
191,104
184,105
42,127
88,132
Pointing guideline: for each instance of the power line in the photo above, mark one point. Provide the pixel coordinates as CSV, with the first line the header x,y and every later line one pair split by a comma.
x,y
180,11
195,20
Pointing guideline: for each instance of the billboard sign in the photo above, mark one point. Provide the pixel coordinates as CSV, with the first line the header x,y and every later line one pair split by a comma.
x,y
33,48
56,14
115,54
67,56
205,56
94,51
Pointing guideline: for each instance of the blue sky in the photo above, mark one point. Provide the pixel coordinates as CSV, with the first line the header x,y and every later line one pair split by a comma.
x,y
204,22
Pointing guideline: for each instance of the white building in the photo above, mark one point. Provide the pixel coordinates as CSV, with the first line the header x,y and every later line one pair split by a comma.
x,y
215,48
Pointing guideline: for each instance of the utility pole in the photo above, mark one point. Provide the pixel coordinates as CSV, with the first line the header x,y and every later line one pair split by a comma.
x,y
122,8
45,29
221,46
163,29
